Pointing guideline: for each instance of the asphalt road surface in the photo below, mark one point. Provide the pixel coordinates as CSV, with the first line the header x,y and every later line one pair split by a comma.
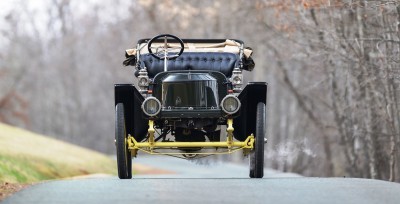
x,y
186,182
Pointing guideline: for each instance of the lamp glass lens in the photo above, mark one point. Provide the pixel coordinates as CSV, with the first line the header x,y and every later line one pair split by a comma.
x,y
230,104
151,106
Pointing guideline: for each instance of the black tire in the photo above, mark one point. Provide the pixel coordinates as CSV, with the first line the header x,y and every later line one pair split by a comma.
x,y
124,158
257,154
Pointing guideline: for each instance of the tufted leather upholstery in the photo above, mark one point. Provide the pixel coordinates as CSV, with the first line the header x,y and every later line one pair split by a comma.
x,y
215,61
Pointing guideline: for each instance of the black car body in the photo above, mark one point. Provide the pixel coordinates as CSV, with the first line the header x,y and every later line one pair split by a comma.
x,y
184,97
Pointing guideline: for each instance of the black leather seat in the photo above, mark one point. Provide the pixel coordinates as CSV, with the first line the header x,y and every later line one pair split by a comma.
x,y
215,61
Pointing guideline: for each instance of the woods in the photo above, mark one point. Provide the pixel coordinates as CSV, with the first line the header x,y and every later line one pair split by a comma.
x,y
333,68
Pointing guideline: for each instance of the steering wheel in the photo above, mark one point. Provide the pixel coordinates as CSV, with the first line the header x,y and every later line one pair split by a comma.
x,y
161,51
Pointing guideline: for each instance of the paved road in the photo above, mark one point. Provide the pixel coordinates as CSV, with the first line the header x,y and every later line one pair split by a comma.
x,y
216,183
207,169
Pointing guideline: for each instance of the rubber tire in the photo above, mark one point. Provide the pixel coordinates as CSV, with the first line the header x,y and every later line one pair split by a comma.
x,y
124,157
257,154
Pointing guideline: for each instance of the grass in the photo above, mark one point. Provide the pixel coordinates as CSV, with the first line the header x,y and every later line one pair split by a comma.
x,y
26,157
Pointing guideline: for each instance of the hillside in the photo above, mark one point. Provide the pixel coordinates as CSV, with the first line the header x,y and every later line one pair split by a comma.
x,y
28,157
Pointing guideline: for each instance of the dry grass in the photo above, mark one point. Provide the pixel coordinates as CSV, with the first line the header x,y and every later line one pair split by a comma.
x,y
26,157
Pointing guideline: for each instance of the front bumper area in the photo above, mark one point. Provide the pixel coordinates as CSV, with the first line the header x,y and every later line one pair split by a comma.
x,y
228,146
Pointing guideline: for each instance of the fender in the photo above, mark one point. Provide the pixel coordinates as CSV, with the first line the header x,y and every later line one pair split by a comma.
x,y
136,125
245,123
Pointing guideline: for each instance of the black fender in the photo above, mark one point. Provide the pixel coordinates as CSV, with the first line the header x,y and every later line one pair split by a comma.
x,y
245,124
136,125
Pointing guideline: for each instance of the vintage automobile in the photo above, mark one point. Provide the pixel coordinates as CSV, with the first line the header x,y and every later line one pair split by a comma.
x,y
189,102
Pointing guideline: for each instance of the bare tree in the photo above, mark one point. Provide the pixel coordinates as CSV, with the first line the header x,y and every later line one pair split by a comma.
x,y
332,68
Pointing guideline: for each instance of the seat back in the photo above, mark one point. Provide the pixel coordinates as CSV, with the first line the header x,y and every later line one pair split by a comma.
x,y
213,61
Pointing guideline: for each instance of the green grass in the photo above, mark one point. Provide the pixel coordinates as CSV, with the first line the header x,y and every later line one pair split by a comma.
x,y
27,157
